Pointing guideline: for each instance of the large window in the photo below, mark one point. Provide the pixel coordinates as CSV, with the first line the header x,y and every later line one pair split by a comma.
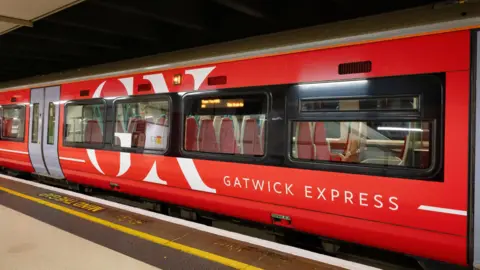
x,y
383,143
13,122
143,124
234,124
85,123
389,126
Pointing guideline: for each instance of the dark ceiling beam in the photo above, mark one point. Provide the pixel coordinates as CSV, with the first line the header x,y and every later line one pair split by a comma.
x,y
242,7
49,31
38,37
31,67
90,25
10,42
32,57
178,12
113,24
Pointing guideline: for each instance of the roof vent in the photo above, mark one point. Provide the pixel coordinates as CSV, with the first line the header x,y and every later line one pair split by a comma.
x,y
84,93
144,87
355,67
13,99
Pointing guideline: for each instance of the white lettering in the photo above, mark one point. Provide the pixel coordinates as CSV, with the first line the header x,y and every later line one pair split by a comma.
x,y
348,198
246,182
308,190
287,189
380,204
335,194
226,181
395,206
258,184
237,182
275,187
362,198
320,195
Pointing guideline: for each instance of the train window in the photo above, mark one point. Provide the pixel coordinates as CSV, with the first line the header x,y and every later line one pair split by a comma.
x,y
143,124
35,120
51,123
383,143
85,123
13,123
234,125
408,103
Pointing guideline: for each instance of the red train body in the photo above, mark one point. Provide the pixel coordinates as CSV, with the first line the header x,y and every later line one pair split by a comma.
x,y
413,216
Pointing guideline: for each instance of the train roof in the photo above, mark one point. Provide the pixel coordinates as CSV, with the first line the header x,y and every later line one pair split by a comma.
x,y
398,24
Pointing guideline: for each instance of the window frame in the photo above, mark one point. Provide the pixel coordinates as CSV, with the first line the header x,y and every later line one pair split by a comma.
x,y
95,101
38,122
376,97
136,99
22,139
226,93
48,123
421,85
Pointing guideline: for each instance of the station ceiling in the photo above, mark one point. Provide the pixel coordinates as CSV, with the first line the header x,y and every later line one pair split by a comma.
x,y
44,36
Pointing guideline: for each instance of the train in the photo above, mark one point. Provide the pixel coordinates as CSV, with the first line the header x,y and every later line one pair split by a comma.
x,y
360,131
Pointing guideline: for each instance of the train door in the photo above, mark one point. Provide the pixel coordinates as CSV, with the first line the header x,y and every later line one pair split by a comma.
x,y
43,131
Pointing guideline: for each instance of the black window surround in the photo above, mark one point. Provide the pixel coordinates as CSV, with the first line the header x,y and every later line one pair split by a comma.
x,y
232,93
429,89
13,106
95,101
143,98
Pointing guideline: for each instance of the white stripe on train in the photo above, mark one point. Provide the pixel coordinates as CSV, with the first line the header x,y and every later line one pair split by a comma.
x,y
443,210
14,151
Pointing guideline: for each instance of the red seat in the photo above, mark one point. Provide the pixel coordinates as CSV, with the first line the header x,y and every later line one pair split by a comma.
x,y
93,132
322,150
207,140
251,140
162,121
191,132
118,128
138,136
305,148
7,127
227,137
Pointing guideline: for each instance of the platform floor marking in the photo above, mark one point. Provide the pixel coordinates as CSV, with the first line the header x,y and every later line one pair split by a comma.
x,y
314,256
158,240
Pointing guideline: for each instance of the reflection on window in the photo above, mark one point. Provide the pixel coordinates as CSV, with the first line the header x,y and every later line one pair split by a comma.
x,y
51,123
362,104
142,125
35,120
234,125
13,125
85,123
374,142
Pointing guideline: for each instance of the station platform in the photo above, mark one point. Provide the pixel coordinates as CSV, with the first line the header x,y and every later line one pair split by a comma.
x,y
43,227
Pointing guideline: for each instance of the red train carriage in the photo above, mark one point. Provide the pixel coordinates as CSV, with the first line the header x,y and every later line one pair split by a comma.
x,y
364,143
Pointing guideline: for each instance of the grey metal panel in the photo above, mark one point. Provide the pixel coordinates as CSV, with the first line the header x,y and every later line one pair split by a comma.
x,y
35,148
476,218
50,151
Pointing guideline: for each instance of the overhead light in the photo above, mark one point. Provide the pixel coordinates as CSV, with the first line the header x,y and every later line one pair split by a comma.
x,y
332,84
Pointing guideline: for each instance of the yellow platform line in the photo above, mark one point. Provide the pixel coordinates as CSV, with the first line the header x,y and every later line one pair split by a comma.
x,y
155,239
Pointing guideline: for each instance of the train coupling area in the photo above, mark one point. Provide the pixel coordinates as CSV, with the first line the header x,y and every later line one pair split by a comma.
x,y
44,227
